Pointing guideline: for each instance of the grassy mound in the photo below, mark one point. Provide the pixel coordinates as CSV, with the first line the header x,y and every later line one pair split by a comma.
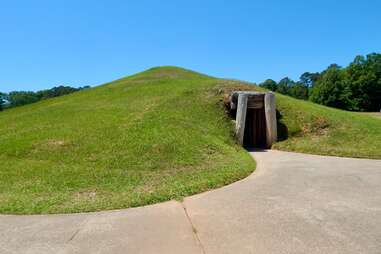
x,y
318,129
154,136
311,128
161,134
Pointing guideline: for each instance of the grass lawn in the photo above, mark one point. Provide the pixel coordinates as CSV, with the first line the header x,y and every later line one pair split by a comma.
x,y
376,114
311,128
147,138
159,135
321,130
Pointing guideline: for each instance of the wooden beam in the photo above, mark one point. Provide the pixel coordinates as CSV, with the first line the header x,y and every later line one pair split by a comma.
x,y
241,117
271,123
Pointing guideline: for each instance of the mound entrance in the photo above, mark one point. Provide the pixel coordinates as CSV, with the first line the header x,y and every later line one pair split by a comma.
x,y
255,115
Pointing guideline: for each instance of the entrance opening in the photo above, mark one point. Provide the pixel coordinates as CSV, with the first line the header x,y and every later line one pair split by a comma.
x,y
255,128
255,117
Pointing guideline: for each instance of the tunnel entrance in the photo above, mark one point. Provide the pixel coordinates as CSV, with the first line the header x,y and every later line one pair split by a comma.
x,y
255,117
255,128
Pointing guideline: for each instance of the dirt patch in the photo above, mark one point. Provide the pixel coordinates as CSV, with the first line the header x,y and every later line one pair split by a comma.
x,y
317,127
56,143
228,86
51,145
85,195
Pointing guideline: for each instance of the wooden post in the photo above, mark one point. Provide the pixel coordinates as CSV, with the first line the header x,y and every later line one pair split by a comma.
x,y
271,123
241,116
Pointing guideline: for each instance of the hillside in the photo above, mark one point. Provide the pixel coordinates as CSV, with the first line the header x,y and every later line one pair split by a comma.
x,y
161,134
307,127
317,129
154,136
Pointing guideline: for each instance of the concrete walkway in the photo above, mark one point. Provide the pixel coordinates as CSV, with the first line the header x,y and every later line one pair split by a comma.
x,y
293,203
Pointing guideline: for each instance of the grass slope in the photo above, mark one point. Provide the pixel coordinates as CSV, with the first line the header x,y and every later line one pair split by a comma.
x,y
311,128
147,138
158,135
322,130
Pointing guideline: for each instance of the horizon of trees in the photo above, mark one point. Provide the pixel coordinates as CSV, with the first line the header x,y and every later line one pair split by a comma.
x,y
19,98
2,100
356,87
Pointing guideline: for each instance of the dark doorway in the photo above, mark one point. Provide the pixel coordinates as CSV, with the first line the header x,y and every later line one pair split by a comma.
x,y
255,128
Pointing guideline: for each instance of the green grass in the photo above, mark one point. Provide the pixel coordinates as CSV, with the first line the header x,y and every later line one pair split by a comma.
x,y
155,136
321,130
311,128
375,114
151,137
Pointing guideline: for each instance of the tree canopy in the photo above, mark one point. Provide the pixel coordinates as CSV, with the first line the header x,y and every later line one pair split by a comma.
x,y
356,87
2,100
288,86
19,98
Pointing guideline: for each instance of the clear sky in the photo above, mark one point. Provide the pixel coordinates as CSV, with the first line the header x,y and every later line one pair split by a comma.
x,y
77,43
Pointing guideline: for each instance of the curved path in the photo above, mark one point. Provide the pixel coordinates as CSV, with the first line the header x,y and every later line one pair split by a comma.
x,y
293,203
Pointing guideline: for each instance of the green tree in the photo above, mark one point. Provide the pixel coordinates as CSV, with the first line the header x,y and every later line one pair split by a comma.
x,y
56,91
269,84
364,78
356,87
19,98
285,85
2,100
332,90
299,91
309,78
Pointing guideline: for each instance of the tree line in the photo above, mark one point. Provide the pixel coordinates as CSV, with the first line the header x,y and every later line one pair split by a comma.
x,y
19,98
356,87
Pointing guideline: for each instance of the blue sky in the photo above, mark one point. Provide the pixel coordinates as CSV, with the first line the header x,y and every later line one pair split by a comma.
x,y
47,43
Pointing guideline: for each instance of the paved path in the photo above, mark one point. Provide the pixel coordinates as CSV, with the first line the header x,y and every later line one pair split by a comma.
x,y
293,203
